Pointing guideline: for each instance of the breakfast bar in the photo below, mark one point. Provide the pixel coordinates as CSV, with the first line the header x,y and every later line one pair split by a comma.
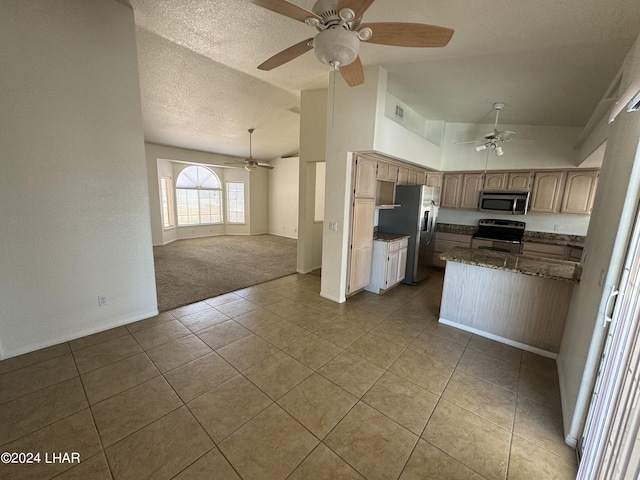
x,y
514,299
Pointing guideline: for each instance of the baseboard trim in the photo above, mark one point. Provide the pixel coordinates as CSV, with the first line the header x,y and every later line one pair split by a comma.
x,y
332,298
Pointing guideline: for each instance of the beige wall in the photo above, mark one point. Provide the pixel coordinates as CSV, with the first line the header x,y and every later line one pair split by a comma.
x,y
73,195
283,197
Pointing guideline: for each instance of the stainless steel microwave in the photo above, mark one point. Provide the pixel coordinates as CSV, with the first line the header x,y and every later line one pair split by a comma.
x,y
515,203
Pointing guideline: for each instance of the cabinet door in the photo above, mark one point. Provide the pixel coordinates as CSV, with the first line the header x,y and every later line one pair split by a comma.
x,y
365,177
519,181
471,187
402,264
579,191
434,180
393,173
403,175
495,181
451,186
392,269
361,243
413,177
383,170
421,177
546,192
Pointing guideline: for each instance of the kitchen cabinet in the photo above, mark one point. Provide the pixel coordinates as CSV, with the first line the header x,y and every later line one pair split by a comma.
x,y
544,250
519,181
403,175
451,187
433,179
547,191
393,173
388,264
471,188
383,170
579,192
365,177
413,177
495,181
444,241
575,254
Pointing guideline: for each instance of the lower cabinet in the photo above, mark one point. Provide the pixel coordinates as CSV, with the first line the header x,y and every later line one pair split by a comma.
x,y
444,241
559,252
388,264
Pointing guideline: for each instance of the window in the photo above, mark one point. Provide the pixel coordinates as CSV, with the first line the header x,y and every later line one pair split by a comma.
x,y
198,197
235,202
166,193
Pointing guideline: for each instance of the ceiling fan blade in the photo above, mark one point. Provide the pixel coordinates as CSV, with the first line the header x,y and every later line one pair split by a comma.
x,y
409,34
286,55
470,141
353,73
287,9
358,6
265,165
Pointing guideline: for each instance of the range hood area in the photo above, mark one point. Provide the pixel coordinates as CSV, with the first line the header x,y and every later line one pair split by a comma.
x,y
385,195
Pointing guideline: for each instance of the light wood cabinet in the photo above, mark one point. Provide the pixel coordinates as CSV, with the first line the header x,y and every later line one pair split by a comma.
x,y
403,175
388,264
393,173
361,243
579,192
444,241
495,181
471,188
544,250
519,181
547,191
433,179
383,170
365,177
413,177
451,188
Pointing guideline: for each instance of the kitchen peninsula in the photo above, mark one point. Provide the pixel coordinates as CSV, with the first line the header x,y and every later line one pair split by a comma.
x,y
515,299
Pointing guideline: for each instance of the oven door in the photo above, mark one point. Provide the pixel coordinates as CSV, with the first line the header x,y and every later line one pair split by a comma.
x,y
496,245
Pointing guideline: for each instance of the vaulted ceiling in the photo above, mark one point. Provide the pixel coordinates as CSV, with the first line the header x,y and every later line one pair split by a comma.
x,y
550,61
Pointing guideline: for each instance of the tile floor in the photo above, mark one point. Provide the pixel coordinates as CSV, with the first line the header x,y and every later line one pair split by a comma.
x,y
274,382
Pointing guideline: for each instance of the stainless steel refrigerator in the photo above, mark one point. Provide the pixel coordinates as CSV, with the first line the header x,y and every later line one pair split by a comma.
x,y
416,216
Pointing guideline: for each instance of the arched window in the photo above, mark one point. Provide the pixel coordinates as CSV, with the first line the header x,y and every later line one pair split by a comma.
x,y
198,196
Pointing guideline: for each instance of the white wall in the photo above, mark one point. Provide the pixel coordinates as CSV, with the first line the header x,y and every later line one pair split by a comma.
x,y
73,194
613,213
258,202
283,197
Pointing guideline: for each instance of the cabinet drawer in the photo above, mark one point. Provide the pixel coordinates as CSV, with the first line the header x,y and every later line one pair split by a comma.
x,y
393,246
403,243
544,250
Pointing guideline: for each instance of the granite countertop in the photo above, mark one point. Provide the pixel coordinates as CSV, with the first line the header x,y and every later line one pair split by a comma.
x,y
529,236
540,267
388,237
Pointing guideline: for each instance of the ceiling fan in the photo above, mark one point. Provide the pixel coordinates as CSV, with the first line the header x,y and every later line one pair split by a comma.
x,y
340,32
251,163
493,140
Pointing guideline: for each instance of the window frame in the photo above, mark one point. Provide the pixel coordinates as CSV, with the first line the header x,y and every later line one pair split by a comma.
x,y
166,203
199,199
244,199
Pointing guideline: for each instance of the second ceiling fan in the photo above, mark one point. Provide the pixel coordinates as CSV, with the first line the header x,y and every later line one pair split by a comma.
x,y
340,32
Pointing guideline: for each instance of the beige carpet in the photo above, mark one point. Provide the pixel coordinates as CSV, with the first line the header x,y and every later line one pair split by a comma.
x,y
188,271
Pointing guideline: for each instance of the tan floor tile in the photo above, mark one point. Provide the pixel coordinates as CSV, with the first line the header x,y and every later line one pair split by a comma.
x,y
376,349
258,319
323,464
105,382
285,308
363,319
223,334
429,463
178,352
351,372
417,320
159,319
277,374
96,338
227,407
539,387
495,349
39,409
211,466
478,443
35,377
203,319
529,461
546,366
75,433
402,401
161,449
313,351
446,332
269,447
133,409
442,350
264,297
94,468
160,334
247,352
199,376
283,333
237,307
310,319
222,299
374,445
485,399
541,425
491,369
395,332
318,404
32,358
340,333
424,371
308,298
106,353
334,309
189,309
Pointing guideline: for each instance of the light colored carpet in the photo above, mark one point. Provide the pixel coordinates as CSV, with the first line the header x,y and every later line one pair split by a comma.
x,y
188,271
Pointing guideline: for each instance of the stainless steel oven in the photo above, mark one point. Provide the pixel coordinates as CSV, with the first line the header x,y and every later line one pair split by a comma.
x,y
499,235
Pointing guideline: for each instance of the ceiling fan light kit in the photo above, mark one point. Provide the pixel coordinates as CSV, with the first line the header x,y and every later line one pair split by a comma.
x,y
340,32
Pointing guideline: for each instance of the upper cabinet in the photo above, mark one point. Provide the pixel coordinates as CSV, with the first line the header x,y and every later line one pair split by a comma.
x,y
451,188
471,187
547,191
519,181
403,175
579,192
365,177
433,179
495,181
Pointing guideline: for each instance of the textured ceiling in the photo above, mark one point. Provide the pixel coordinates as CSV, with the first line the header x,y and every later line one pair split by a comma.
x,y
550,61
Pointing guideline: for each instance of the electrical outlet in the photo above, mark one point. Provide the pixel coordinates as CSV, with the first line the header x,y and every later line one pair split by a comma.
x,y
556,228
102,300
333,226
